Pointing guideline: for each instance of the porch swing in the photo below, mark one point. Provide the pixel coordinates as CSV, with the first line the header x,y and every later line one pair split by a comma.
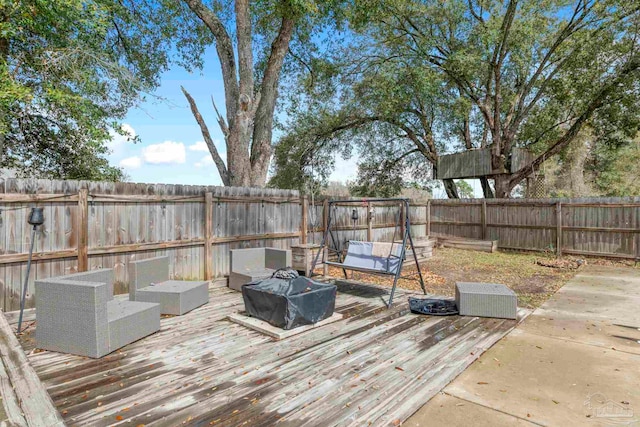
x,y
383,258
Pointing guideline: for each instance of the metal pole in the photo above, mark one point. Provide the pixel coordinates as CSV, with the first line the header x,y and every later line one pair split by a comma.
x,y
26,279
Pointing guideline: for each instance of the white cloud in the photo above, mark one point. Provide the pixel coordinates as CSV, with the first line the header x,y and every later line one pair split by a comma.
x,y
205,161
131,162
199,146
168,152
344,170
118,140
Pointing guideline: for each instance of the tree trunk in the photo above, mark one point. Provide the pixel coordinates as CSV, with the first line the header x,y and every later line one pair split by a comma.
x,y
249,117
263,124
486,188
502,188
450,188
238,163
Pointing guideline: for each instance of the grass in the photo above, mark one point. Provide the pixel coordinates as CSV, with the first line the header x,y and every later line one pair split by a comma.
x,y
533,283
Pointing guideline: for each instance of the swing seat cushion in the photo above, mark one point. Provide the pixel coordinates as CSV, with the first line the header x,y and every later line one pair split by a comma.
x,y
372,256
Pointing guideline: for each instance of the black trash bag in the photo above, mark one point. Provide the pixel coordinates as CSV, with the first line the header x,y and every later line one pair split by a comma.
x,y
288,303
434,307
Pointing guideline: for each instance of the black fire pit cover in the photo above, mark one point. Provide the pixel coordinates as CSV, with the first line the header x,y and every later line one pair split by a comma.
x,y
288,303
434,307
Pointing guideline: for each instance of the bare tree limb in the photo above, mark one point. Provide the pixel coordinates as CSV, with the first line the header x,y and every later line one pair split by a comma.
x,y
223,124
224,49
222,169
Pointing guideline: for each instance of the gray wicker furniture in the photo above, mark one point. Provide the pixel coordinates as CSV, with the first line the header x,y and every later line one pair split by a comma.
x,y
248,265
77,314
486,300
149,282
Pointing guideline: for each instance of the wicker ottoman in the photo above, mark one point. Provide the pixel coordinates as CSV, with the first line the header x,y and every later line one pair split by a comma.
x,y
175,296
486,300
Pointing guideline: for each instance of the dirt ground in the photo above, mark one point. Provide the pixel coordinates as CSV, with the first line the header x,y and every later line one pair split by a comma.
x,y
533,283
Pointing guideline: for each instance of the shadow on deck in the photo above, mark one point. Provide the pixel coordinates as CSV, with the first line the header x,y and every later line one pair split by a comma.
x,y
374,367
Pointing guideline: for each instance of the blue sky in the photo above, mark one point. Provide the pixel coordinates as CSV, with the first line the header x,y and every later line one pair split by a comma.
x,y
172,150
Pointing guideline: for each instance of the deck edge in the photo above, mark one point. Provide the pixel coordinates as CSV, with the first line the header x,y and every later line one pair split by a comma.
x,y
36,404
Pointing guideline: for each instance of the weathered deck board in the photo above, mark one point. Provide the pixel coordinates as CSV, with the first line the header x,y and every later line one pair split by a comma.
x,y
375,366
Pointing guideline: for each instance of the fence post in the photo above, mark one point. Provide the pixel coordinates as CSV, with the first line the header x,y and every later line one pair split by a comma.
x,y
428,218
558,229
637,233
208,236
304,223
369,224
83,230
483,216
325,222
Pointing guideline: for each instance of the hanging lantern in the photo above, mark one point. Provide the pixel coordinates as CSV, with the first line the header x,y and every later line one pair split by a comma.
x,y
36,217
354,215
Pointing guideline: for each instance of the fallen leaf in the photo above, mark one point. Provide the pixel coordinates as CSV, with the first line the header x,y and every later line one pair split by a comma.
x,y
399,368
483,382
119,417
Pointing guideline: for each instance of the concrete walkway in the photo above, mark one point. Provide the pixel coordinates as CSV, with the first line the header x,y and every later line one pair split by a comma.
x,y
575,361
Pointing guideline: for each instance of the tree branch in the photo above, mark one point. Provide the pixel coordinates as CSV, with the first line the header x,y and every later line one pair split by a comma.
x,y
222,169
224,49
630,68
221,122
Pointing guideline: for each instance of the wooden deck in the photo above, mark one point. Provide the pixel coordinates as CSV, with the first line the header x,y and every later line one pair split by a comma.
x,y
374,367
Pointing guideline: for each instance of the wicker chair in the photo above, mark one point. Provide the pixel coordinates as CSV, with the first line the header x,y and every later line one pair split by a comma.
x,y
248,265
77,314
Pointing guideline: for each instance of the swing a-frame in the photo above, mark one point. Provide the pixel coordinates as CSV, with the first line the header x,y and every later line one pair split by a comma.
x,y
381,258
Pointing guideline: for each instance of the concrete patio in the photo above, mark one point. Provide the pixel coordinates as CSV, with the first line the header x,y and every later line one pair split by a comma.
x,y
574,361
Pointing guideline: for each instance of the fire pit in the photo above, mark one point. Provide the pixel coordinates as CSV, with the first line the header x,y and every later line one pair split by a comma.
x,y
288,303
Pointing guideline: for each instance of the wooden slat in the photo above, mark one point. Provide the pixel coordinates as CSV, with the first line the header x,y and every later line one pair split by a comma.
x,y
304,226
38,256
26,198
83,230
559,229
10,401
208,236
429,218
369,224
325,225
246,238
37,407
366,226
484,219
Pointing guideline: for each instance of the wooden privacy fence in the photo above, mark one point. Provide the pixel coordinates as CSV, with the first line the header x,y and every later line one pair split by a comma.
x,y
589,226
91,225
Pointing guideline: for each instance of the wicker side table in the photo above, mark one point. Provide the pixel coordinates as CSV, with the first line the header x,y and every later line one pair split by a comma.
x,y
486,300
